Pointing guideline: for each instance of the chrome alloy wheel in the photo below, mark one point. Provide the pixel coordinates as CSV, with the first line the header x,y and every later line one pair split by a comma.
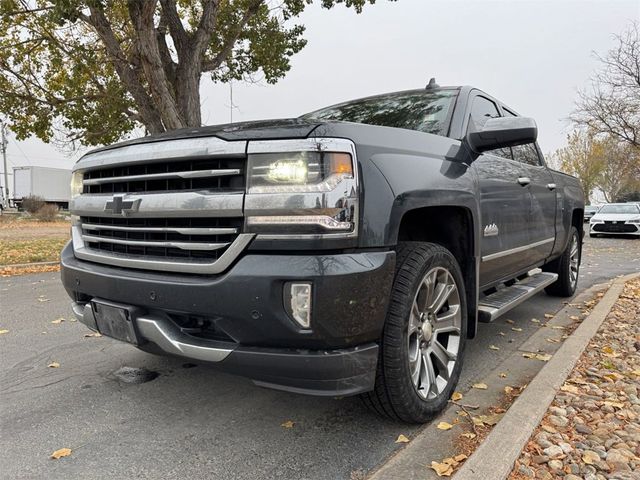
x,y
434,327
574,259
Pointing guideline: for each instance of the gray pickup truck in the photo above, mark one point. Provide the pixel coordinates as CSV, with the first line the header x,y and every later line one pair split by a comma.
x,y
350,251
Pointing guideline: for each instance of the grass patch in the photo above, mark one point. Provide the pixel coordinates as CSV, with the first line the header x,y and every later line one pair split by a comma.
x,y
28,251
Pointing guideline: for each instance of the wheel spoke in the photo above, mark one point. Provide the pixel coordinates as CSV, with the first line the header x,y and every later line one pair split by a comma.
x,y
414,318
425,292
429,377
448,321
442,295
443,357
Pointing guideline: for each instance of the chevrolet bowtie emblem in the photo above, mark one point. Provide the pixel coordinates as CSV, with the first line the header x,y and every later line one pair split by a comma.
x,y
122,206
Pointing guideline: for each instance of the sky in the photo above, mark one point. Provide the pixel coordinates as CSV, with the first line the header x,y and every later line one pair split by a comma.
x,y
534,55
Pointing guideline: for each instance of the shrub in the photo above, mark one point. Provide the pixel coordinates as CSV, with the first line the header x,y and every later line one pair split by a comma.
x,y
33,203
47,213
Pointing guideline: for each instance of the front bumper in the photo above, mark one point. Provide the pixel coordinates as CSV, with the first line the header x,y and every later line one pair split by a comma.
x,y
336,357
614,228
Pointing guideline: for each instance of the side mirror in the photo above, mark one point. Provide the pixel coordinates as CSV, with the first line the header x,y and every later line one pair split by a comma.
x,y
503,132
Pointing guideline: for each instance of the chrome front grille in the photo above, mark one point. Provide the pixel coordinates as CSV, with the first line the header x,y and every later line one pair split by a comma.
x,y
161,238
174,206
221,174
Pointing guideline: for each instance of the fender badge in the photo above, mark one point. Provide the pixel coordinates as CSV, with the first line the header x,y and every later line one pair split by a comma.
x,y
491,230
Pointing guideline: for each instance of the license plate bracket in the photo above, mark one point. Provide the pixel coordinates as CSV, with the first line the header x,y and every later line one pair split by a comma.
x,y
115,321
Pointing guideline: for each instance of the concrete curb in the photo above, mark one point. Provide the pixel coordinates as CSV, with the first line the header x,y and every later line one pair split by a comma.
x,y
496,455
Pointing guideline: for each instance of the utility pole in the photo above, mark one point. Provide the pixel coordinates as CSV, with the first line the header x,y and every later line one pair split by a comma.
x,y
3,146
230,101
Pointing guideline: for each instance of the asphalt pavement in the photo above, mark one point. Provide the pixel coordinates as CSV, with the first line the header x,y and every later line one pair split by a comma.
x,y
193,421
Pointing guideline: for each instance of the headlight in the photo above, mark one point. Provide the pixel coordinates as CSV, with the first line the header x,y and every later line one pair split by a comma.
x,y
307,193
76,184
635,220
298,172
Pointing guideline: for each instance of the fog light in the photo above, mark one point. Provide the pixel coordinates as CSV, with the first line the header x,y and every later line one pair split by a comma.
x,y
300,303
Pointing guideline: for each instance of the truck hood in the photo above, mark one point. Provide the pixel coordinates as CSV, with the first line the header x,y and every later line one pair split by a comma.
x,y
614,217
288,128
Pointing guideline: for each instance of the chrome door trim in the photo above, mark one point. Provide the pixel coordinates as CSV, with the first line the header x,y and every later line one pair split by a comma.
x,y
511,251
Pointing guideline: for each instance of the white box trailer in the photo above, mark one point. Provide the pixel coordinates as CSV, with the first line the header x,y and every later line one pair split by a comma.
x,y
51,184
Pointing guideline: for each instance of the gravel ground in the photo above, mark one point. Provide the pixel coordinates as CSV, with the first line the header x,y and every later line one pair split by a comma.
x,y
592,429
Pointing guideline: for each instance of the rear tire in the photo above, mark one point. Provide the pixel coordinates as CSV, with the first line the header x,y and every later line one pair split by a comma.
x,y
424,335
567,267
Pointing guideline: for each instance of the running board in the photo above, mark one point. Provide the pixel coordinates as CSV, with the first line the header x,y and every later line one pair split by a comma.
x,y
498,303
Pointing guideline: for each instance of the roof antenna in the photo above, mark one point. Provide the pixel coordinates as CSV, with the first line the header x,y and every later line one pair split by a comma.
x,y
432,84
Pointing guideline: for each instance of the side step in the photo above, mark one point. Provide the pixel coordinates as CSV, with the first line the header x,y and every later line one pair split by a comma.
x,y
498,303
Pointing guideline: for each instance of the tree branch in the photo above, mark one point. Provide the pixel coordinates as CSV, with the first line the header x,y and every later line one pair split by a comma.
x,y
227,47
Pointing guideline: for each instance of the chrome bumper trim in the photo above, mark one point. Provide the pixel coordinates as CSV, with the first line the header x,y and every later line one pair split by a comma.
x,y
165,335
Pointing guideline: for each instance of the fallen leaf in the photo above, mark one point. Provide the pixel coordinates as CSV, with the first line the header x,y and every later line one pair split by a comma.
x,y
444,426
535,320
557,327
548,315
590,457
94,334
552,340
480,386
63,452
510,321
2,332
493,347
502,334
57,321
402,439
508,390
455,396
569,388
607,349
288,424
53,365
574,317
462,413
502,375
442,469
469,435
460,458
43,299
545,357
490,420
614,404
516,329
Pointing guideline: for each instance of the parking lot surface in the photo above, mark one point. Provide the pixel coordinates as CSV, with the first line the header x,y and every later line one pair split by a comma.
x,y
193,421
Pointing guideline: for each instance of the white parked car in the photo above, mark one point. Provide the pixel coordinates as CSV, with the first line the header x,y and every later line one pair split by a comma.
x,y
616,219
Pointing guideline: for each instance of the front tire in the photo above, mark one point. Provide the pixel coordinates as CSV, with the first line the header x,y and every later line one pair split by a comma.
x,y
567,267
424,335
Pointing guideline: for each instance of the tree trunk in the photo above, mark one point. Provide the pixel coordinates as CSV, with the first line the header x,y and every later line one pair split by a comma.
x,y
141,13
187,88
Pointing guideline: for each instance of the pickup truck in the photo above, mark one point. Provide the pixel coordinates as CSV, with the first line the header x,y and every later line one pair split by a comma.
x,y
350,251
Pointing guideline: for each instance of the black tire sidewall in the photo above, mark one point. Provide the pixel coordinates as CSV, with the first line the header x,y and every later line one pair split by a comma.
x,y
408,404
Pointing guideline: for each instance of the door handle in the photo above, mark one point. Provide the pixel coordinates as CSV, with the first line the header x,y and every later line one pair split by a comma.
x,y
524,181
551,186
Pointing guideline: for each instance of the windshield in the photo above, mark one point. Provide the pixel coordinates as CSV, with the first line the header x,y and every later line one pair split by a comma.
x,y
619,209
425,110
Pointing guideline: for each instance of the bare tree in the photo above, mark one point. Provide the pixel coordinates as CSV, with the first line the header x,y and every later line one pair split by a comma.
x,y
612,104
